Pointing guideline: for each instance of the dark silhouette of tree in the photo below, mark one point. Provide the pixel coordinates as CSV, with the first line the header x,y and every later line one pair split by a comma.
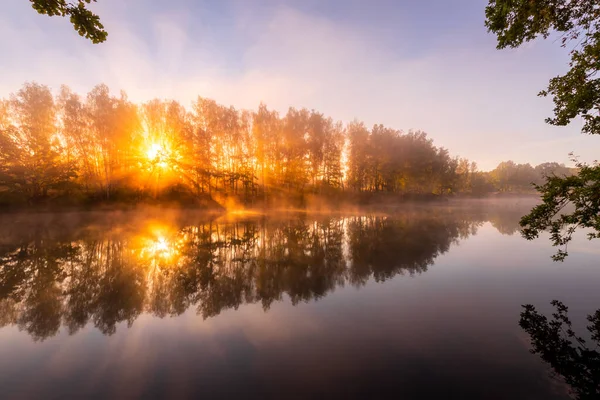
x,y
575,94
85,22
568,354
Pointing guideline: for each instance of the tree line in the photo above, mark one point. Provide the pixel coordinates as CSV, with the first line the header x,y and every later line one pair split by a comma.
x,y
69,149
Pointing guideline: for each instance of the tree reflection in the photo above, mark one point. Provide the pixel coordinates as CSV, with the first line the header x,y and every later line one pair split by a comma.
x,y
568,354
385,247
104,273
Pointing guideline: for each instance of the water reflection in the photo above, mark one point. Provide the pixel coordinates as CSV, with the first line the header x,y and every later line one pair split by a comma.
x,y
572,359
63,271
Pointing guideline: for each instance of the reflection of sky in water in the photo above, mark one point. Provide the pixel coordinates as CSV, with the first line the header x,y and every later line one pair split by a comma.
x,y
449,332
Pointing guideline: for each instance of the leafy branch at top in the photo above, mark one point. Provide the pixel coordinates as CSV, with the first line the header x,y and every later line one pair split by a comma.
x,y
575,94
85,22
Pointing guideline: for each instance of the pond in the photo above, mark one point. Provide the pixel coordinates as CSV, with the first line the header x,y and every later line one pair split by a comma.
x,y
412,302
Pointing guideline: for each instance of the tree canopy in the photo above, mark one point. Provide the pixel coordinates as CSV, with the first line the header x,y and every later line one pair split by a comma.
x,y
70,149
85,22
575,94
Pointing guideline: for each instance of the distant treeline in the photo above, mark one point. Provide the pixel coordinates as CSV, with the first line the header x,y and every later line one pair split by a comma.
x,y
71,150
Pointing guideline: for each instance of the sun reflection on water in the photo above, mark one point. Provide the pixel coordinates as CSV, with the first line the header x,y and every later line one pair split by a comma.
x,y
158,244
161,247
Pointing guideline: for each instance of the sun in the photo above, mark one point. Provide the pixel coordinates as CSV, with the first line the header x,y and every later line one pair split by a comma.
x,y
157,155
154,151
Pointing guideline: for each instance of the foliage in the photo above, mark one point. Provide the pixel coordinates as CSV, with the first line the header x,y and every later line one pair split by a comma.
x,y
387,160
581,191
85,22
568,354
30,161
102,146
575,94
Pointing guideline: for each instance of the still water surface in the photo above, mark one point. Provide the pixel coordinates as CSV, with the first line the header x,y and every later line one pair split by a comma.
x,y
416,303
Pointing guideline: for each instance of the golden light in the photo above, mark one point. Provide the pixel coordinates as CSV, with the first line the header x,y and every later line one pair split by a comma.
x,y
154,151
160,247
158,155
344,160
158,244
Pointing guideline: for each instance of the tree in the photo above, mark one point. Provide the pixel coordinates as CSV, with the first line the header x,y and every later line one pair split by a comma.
x,y
358,137
85,22
583,192
166,125
575,94
295,148
79,143
30,162
547,169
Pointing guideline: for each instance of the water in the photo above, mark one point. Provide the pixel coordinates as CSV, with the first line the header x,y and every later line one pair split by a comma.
x,y
420,302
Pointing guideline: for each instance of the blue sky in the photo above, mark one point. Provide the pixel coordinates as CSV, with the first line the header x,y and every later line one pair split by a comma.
x,y
414,64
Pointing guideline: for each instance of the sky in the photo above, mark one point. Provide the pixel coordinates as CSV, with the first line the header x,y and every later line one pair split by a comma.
x,y
424,65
